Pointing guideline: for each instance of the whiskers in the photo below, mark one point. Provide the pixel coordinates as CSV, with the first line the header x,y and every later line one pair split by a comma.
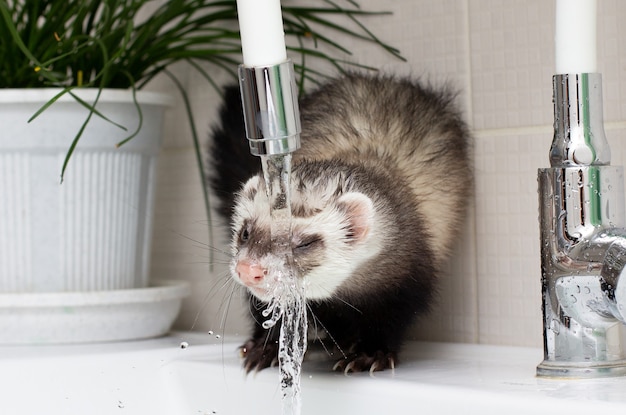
x,y
215,255
222,292
215,291
314,322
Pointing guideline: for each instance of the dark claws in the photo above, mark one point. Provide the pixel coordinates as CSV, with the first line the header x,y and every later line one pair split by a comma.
x,y
362,362
258,354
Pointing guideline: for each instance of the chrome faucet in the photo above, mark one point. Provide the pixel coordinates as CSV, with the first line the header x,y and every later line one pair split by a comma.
x,y
270,108
583,239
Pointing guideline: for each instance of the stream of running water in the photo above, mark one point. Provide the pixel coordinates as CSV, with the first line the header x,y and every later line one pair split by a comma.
x,y
288,305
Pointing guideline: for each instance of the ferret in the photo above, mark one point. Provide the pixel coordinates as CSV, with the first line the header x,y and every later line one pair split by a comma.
x,y
379,189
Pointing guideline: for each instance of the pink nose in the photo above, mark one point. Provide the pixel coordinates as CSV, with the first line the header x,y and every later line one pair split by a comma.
x,y
250,274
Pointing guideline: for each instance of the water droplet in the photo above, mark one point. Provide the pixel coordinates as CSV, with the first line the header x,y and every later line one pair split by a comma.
x,y
184,345
120,404
555,326
210,332
217,336
574,299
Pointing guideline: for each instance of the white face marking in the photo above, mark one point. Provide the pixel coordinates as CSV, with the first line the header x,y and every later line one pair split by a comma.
x,y
339,256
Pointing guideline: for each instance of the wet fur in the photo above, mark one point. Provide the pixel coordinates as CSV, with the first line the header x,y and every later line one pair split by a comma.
x,y
405,147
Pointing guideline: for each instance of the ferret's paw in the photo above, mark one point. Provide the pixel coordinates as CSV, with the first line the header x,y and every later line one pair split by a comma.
x,y
362,362
258,354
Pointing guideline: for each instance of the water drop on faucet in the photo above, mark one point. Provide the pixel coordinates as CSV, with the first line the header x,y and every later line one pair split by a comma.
x,y
555,326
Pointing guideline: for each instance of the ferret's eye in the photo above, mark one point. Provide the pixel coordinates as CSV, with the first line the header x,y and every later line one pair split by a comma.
x,y
307,243
244,235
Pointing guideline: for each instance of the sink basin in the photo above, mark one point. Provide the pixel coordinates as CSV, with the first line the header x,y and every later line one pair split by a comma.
x,y
157,377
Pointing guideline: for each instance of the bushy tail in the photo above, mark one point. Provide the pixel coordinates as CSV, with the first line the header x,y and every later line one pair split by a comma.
x,y
230,161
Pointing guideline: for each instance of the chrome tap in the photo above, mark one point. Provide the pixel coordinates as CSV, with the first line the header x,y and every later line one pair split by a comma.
x,y
583,239
270,107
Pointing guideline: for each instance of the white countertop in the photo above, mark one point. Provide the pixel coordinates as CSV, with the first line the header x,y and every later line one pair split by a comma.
x,y
159,377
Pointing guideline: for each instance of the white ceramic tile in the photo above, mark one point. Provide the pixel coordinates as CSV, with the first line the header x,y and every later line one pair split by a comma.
x,y
612,57
430,34
617,141
512,60
507,238
512,55
454,316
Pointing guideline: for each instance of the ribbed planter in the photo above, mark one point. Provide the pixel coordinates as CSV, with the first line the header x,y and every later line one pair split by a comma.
x,y
93,231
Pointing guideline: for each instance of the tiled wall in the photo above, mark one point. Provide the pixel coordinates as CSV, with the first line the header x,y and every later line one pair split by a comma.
x,y
500,55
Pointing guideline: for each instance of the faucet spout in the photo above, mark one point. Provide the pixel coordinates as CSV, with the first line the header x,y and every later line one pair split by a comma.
x,y
583,243
270,108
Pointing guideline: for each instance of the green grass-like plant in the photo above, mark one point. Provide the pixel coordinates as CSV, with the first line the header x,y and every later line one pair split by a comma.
x,y
104,44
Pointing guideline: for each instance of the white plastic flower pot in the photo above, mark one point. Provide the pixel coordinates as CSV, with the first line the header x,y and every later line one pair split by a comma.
x,y
92,232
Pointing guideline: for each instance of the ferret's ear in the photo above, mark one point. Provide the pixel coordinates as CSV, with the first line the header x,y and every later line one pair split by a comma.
x,y
359,212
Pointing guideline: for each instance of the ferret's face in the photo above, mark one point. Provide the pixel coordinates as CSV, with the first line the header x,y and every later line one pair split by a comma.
x,y
332,235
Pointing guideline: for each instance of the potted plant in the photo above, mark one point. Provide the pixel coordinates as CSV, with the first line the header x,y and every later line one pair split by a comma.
x,y
73,110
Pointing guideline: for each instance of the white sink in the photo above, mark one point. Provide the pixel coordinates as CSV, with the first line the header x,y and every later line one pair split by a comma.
x,y
154,377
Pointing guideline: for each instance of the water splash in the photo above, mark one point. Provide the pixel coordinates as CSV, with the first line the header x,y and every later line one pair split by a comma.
x,y
288,306
288,296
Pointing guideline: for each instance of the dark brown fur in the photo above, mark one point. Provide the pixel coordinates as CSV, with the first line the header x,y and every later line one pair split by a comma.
x,y
405,147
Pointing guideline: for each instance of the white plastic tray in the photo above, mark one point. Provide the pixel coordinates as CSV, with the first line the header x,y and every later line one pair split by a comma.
x,y
95,316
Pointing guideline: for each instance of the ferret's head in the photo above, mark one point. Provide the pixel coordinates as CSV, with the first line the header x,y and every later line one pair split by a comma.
x,y
333,232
